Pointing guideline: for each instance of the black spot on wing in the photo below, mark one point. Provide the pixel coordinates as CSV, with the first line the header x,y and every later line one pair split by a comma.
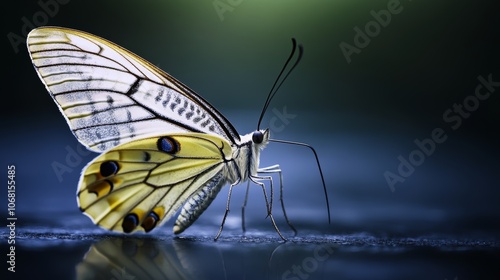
x,y
129,115
150,221
110,100
166,101
130,222
135,87
108,168
205,123
146,156
168,145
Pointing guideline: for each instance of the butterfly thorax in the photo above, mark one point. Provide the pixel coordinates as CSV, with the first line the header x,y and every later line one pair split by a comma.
x,y
246,156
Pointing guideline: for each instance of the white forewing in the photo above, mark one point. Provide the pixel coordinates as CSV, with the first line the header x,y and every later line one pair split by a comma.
x,y
110,96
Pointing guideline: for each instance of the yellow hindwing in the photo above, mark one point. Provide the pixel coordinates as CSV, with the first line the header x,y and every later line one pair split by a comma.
x,y
141,184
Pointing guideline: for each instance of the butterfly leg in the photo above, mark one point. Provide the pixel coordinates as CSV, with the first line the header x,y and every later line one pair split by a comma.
x,y
276,169
243,209
256,180
227,209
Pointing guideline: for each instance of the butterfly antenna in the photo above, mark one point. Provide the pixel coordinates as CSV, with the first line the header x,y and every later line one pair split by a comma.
x,y
275,88
319,167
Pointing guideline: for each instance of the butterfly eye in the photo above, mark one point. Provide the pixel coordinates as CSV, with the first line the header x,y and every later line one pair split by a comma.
x,y
130,222
150,221
257,137
168,145
109,168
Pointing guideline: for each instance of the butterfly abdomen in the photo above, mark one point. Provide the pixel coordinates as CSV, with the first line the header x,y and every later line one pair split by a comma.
x,y
198,202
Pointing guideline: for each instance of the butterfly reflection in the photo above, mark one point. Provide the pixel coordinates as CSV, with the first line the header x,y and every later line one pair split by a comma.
x,y
127,259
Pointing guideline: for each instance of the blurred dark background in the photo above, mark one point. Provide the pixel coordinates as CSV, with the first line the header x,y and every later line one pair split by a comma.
x,y
362,112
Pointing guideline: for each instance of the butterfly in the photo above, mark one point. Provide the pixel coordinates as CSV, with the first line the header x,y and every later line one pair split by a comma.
x,y
162,146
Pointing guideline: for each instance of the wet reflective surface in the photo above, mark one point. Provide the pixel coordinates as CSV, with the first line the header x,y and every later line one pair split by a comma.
x,y
93,254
